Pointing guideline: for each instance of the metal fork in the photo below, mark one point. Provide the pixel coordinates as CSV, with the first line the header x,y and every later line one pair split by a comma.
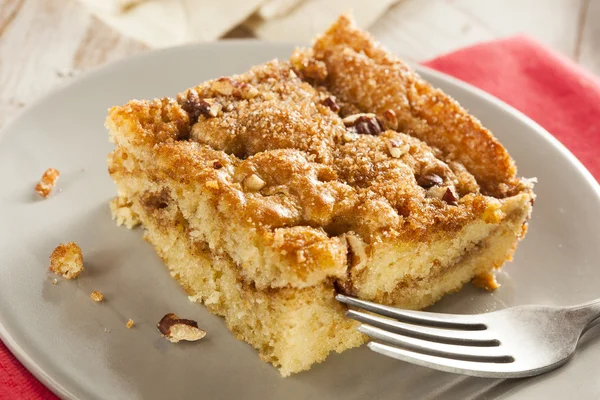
x,y
512,343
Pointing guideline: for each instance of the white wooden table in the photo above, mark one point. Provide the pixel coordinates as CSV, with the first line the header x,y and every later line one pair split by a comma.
x,y
44,42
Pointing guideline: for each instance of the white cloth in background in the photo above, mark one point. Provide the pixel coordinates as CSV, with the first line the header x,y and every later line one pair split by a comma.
x,y
163,23
311,17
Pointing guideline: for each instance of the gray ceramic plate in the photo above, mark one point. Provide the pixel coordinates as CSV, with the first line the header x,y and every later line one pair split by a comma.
x,y
83,350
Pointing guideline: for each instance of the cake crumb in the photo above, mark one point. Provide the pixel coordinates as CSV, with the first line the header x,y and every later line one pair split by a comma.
x,y
120,208
176,329
97,297
107,330
67,260
129,323
54,281
46,184
486,281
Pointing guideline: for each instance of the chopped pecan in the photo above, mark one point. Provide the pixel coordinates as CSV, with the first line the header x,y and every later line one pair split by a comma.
x,y
444,193
229,87
253,183
428,180
366,124
330,102
210,107
449,197
176,329
224,86
397,147
191,105
390,120
195,106
436,192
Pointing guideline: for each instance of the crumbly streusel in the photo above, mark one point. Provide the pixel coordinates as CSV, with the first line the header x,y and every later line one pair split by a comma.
x,y
338,167
67,260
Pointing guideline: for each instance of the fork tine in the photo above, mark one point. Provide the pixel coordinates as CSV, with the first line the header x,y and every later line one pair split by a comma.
x,y
472,368
466,322
467,353
459,337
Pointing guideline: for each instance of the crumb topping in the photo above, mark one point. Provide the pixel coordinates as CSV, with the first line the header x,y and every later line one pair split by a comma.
x,y
341,139
372,79
286,159
96,297
46,184
67,260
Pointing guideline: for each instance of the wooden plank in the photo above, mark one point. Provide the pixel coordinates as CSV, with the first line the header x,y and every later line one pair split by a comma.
x,y
553,22
8,12
589,47
102,44
43,42
38,42
422,29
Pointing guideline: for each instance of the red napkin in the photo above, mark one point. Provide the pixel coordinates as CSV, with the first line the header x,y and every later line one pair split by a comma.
x,y
542,84
18,383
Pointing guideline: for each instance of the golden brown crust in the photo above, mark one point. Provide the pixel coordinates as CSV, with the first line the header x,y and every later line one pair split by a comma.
x,y
365,74
316,172
300,153
151,122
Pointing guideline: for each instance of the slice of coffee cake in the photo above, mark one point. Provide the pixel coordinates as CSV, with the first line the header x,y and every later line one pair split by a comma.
x,y
340,169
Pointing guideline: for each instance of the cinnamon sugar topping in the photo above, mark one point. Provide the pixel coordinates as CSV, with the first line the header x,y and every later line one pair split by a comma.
x,y
297,167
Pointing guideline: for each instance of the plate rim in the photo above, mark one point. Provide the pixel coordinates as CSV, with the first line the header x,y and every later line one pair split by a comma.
x,y
63,392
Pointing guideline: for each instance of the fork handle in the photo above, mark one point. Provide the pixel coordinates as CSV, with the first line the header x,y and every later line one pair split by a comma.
x,y
591,325
587,313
